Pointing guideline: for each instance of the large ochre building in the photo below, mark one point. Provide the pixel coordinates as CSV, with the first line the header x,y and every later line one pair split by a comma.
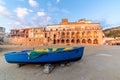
x,y
81,32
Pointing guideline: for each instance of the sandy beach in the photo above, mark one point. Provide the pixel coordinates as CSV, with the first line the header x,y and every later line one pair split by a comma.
x,y
100,62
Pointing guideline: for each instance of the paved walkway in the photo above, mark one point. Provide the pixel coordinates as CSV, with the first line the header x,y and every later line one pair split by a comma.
x,y
98,63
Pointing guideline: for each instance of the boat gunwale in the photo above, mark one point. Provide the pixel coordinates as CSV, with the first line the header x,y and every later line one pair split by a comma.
x,y
52,52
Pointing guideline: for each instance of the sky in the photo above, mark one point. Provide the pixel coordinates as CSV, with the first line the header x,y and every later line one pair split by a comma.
x,y
16,14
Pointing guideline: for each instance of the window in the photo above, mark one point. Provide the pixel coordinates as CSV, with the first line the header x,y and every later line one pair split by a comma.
x,y
45,35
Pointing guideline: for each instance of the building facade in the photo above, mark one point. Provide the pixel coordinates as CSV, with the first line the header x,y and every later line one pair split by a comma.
x,y
113,42
81,32
2,34
27,36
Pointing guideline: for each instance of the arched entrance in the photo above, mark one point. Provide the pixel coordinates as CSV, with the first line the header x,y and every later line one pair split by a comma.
x,y
95,33
83,41
83,34
58,41
95,41
54,36
88,33
72,34
67,41
72,41
48,39
68,34
63,35
77,41
45,35
54,41
89,41
62,41
78,34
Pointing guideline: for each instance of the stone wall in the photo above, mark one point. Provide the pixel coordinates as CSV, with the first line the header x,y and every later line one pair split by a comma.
x,y
82,32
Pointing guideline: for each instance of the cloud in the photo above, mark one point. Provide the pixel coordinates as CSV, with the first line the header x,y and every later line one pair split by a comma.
x,y
44,20
15,22
30,10
21,12
41,14
103,23
4,11
57,1
33,3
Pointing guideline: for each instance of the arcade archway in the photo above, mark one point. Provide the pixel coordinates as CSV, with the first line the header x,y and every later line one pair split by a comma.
x,y
83,41
95,41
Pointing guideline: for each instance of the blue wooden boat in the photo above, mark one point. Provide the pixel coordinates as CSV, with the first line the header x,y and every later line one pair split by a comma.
x,y
52,55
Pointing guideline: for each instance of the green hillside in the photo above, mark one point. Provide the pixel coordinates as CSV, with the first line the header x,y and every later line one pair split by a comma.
x,y
112,32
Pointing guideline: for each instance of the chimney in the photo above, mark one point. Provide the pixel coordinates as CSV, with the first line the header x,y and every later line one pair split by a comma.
x,y
64,21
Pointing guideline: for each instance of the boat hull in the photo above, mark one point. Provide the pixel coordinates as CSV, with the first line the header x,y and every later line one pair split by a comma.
x,y
52,57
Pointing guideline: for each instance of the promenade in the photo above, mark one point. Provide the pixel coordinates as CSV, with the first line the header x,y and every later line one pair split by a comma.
x,y
99,62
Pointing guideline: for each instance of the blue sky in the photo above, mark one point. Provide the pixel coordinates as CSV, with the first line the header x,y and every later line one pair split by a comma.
x,y
37,13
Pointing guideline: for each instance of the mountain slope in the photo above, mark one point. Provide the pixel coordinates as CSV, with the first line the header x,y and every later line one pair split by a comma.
x,y
112,32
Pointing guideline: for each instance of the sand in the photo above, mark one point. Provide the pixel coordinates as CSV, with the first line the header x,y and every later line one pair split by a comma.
x,y
98,63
